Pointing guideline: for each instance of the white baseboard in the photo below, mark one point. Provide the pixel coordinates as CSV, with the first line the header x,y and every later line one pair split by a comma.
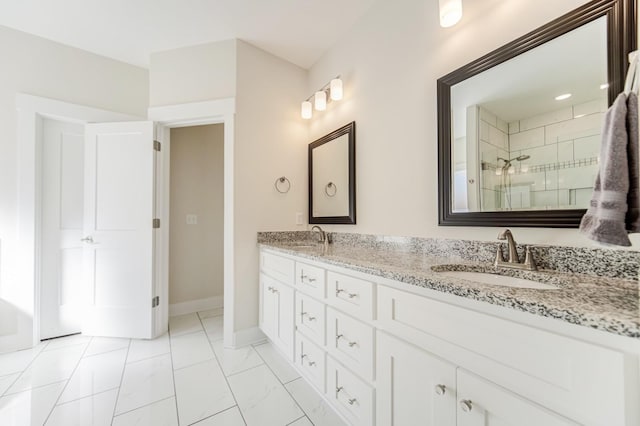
x,y
195,306
248,336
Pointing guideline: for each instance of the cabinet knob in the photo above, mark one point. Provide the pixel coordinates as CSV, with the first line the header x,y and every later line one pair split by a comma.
x,y
352,344
352,295
338,291
441,389
352,401
312,363
466,405
270,289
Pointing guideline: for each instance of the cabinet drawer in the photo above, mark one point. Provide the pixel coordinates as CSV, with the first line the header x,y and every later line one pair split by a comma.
x,y
311,360
351,342
351,396
352,295
310,318
480,400
278,267
310,280
566,375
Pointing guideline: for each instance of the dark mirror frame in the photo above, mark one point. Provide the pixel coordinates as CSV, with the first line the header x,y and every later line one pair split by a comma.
x,y
349,129
621,39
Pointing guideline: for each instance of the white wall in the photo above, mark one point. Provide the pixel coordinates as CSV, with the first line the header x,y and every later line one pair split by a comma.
x,y
271,141
197,188
39,67
390,62
193,74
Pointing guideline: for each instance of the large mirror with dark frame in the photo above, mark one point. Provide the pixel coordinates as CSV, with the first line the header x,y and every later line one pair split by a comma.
x,y
519,128
332,177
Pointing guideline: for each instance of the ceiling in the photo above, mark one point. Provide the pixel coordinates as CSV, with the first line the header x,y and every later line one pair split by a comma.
x,y
299,31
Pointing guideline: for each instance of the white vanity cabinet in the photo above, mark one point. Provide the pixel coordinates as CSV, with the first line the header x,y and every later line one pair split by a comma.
x,y
482,403
413,386
276,316
385,356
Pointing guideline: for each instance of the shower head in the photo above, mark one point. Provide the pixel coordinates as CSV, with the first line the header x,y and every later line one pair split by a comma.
x,y
523,157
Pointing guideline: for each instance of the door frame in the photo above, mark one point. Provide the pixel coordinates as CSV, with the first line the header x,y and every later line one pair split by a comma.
x,y
31,111
220,111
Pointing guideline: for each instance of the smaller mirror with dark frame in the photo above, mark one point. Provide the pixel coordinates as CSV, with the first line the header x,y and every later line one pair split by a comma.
x,y
332,177
519,128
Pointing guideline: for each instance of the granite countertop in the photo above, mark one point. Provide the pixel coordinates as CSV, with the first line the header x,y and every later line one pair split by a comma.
x,y
603,303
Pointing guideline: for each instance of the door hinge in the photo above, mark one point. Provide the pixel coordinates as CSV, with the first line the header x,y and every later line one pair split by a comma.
x,y
157,146
156,223
155,301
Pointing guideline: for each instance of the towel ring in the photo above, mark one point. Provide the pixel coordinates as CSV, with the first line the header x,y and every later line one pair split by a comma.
x,y
328,189
279,183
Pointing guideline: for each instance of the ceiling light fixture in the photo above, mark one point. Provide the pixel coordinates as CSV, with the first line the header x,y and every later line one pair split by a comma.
x,y
450,12
331,91
563,97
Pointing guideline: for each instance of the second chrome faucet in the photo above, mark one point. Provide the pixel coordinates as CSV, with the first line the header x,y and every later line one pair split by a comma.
x,y
513,261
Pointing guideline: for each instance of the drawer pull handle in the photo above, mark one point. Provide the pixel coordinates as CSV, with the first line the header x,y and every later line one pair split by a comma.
x,y
306,277
352,401
306,313
338,337
466,405
271,289
352,344
312,363
341,290
441,389
338,390
303,356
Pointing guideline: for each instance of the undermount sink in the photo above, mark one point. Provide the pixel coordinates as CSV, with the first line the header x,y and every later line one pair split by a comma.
x,y
494,278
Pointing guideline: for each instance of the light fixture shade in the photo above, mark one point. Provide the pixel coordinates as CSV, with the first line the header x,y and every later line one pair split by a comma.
x,y
450,12
321,100
336,89
306,110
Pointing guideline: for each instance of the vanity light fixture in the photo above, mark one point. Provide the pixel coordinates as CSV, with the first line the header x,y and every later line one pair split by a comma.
x,y
331,91
320,100
335,88
563,97
450,12
306,110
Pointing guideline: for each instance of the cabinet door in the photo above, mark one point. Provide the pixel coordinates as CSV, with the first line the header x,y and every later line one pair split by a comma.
x,y
413,386
482,403
284,327
267,306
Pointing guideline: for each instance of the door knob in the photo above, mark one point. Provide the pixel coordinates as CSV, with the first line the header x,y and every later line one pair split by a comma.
x,y
88,239
441,389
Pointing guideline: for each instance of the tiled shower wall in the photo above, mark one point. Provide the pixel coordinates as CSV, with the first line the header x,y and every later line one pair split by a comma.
x,y
563,147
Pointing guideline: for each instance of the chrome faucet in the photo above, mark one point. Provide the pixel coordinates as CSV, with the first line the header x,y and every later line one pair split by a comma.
x,y
324,238
513,261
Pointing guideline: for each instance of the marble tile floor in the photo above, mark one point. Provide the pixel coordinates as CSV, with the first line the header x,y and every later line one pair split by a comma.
x,y
185,377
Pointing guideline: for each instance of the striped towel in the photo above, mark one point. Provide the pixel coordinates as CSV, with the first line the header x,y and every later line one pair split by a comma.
x,y
615,205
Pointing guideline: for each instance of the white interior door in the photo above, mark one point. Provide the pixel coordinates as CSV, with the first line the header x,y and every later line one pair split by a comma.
x,y
62,211
118,231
